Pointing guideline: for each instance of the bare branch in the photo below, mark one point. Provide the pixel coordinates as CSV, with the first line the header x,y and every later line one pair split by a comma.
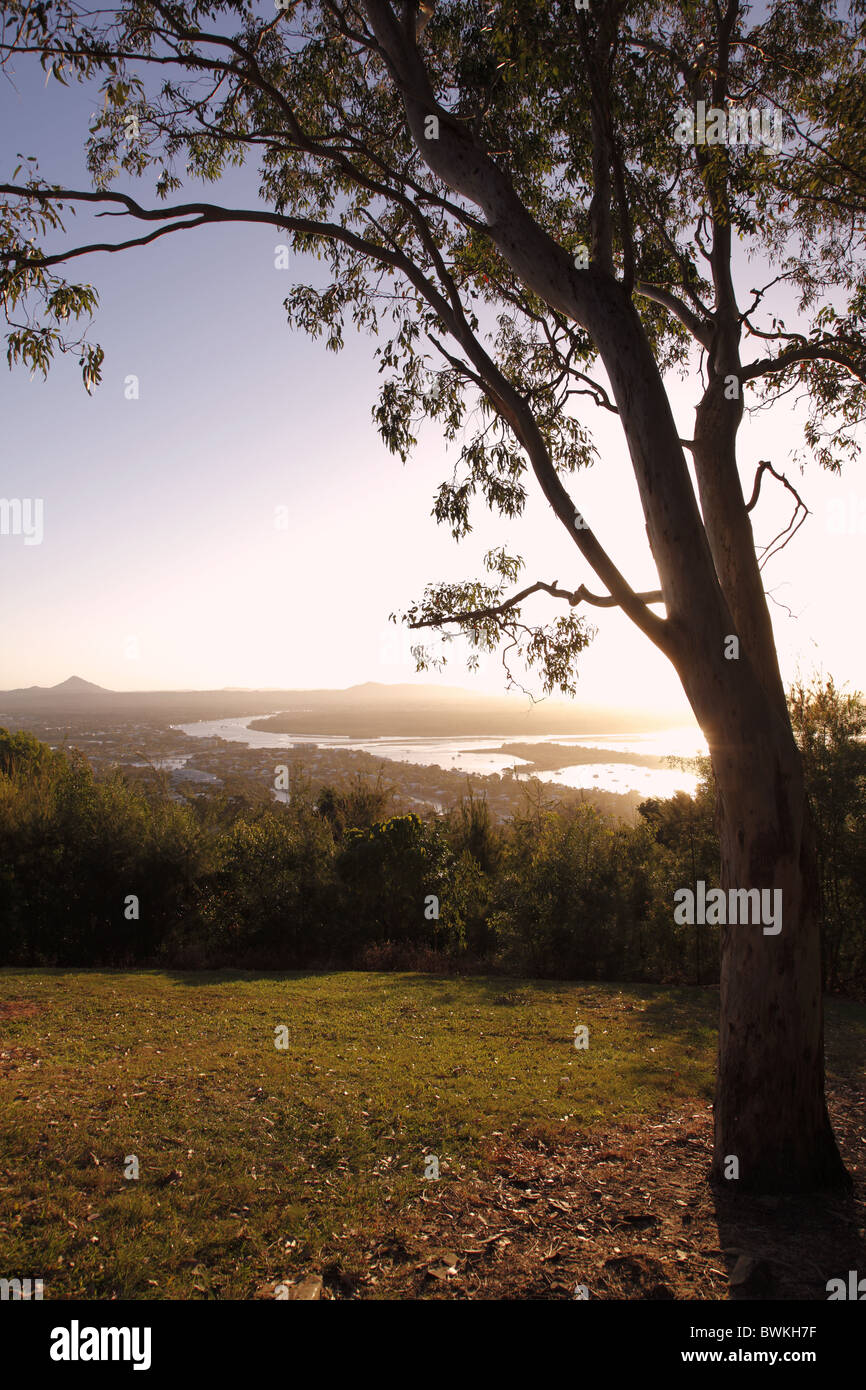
x,y
789,531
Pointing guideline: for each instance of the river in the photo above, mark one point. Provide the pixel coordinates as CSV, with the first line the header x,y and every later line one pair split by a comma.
x,y
465,755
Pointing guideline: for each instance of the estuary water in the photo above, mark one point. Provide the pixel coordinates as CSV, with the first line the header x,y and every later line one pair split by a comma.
x,y
481,754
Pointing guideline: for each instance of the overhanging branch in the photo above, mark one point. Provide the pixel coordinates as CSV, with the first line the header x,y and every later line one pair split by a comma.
x,y
573,598
814,352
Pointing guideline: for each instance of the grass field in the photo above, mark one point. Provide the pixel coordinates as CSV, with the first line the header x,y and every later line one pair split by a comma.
x,y
259,1164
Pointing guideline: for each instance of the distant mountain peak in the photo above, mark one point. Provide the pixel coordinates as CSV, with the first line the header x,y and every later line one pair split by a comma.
x,y
75,684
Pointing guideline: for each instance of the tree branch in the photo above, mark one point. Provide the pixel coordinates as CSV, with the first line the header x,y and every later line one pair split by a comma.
x,y
793,355
700,329
764,466
579,595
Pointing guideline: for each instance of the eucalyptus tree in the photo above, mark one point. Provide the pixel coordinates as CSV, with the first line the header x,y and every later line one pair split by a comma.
x,y
539,209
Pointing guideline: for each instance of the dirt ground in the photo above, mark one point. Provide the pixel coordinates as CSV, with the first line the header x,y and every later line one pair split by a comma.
x,y
628,1214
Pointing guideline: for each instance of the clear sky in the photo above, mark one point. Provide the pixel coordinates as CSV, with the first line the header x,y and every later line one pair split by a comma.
x,y
161,565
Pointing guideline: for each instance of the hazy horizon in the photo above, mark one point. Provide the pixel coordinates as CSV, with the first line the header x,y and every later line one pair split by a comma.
x,y
441,687
372,708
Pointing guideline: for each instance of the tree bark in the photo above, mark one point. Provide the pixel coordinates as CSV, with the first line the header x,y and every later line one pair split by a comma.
x,y
770,1111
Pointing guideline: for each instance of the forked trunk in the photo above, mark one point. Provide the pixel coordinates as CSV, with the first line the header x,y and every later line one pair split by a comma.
x,y
771,1124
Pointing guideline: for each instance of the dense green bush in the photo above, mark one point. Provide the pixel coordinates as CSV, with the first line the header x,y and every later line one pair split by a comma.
x,y
394,878
581,897
271,899
94,871
830,727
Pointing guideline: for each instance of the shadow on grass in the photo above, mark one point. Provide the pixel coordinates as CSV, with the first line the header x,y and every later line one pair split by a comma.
x,y
493,989
788,1247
